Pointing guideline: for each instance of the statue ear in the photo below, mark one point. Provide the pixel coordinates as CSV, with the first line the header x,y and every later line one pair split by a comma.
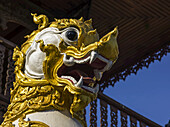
x,y
89,22
109,43
41,20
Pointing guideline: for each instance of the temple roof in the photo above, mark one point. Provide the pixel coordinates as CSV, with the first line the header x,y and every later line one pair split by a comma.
x,y
143,27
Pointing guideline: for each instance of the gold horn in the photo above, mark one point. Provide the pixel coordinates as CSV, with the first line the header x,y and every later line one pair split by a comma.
x,y
41,20
81,19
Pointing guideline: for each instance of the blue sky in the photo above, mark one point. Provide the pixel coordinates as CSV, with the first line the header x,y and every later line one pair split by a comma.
x,y
148,92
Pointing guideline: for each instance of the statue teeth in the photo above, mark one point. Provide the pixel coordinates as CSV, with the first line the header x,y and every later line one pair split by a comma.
x,y
80,82
93,90
109,63
82,61
107,67
69,77
93,56
98,74
96,88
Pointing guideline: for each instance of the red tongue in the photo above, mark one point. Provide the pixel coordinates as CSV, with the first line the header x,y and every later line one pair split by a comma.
x,y
78,73
98,64
88,80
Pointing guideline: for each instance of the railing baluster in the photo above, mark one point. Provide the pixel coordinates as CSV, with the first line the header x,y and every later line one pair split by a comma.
x,y
124,111
113,114
103,114
142,124
133,122
93,113
123,119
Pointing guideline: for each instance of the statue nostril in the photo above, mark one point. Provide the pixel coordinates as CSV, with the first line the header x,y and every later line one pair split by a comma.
x,y
67,57
68,60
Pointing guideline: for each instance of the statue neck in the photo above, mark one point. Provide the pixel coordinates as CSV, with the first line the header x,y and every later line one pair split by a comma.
x,y
52,118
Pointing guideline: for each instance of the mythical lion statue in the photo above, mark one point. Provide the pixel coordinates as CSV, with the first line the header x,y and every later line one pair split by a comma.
x,y
56,70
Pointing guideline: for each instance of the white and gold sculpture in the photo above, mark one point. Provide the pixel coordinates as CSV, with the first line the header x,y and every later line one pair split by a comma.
x,y
56,70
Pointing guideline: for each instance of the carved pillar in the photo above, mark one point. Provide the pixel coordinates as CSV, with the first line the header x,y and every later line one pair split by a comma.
x,y
3,106
103,113
10,74
93,113
113,114
2,55
1,115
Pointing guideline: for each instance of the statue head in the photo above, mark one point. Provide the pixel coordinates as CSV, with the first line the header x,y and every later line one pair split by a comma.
x,y
58,66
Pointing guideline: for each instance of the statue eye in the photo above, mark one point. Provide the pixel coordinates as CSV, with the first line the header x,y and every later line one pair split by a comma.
x,y
71,35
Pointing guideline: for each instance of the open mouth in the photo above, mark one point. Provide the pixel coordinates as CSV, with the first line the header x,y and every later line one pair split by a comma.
x,y
84,72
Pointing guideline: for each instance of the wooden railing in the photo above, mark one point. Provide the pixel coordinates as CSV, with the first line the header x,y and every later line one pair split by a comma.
x,y
6,73
114,114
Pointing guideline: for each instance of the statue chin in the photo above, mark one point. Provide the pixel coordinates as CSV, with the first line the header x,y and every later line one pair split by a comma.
x,y
52,118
